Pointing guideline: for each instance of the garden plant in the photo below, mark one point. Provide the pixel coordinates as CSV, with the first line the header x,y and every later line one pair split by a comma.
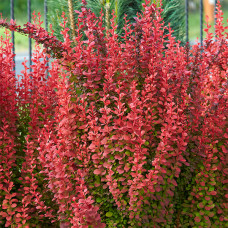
x,y
173,13
122,130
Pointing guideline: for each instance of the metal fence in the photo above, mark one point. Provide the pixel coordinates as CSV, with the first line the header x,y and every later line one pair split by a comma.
x,y
29,20
201,20
46,21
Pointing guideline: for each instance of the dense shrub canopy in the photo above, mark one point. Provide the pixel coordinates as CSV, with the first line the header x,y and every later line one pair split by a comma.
x,y
129,133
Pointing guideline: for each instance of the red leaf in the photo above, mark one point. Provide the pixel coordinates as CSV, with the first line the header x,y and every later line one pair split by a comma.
x,y
18,215
174,182
13,205
97,171
213,193
163,90
197,219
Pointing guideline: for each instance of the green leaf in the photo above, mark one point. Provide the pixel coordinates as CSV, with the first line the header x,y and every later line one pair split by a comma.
x,y
146,143
220,144
109,214
111,157
128,153
211,188
98,200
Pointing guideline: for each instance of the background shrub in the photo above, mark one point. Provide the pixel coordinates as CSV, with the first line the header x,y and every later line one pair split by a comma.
x,y
173,13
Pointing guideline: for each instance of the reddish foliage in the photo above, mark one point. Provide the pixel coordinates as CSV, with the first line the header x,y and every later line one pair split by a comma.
x,y
139,120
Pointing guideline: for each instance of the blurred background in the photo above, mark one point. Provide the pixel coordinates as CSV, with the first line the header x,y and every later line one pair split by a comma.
x,y
194,17
21,47
20,14
37,5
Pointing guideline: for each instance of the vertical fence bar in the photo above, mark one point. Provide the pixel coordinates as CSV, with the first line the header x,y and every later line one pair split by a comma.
x,y
13,39
215,11
46,24
186,20
201,23
30,41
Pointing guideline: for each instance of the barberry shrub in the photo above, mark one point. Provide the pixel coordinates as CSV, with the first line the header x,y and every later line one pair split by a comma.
x,y
128,132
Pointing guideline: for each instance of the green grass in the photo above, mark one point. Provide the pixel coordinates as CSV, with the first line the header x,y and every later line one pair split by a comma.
x,y
21,41
20,14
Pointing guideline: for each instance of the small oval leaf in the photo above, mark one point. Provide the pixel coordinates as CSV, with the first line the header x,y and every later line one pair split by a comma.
x,y
109,214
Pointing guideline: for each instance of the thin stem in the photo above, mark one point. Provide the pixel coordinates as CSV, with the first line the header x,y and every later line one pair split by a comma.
x,y
71,13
